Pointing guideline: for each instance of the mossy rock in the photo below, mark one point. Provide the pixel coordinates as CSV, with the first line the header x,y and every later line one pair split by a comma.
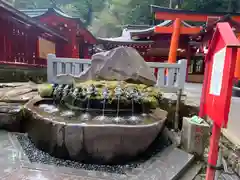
x,y
153,95
45,90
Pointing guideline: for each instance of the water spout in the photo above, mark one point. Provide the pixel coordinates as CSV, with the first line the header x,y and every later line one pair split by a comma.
x,y
105,94
118,93
88,94
143,96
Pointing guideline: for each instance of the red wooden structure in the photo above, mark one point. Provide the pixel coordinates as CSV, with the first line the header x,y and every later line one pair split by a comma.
x,y
19,38
206,36
81,41
217,87
192,17
154,47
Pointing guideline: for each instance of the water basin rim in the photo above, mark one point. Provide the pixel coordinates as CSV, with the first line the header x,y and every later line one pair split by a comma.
x,y
97,125
28,106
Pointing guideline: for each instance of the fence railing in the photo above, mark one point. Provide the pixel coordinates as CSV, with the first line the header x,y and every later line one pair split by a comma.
x,y
172,81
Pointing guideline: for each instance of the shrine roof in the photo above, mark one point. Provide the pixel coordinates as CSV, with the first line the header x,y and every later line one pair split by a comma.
x,y
33,12
130,35
38,13
133,26
122,40
211,28
150,30
25,19
155,8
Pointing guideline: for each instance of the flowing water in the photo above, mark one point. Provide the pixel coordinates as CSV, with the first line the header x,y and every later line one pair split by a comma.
x,y
103,117
86,116
103,109
143,107
118,119
94,116
134,118
132,107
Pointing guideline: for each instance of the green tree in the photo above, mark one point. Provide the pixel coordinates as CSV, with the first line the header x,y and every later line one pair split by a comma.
x,y
107,17
85,9
80,8
212,5
134,11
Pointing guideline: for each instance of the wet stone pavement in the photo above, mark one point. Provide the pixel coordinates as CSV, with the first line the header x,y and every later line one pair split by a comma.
x,y
15,165
20,160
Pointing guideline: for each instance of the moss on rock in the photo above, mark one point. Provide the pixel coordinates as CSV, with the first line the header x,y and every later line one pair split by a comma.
x,y
45,90
152,95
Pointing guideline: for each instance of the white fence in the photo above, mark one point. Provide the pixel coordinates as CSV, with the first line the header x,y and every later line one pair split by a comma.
x,y
172,82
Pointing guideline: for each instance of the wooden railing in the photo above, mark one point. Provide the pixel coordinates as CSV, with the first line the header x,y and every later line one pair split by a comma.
x,y
172,82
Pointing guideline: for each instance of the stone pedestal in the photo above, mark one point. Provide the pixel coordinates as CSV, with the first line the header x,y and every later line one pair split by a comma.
x,y
194,136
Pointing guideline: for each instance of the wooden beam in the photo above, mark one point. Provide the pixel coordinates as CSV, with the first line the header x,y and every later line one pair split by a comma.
x,y
236,18
183,30
188,17
182,16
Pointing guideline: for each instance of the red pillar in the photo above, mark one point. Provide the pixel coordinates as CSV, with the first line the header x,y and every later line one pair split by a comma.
x,y
189,56
70,49
75,49
204,88
172,58
237,68
213,152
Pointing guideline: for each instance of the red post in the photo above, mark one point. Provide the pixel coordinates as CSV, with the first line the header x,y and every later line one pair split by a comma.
x,y
213,152
189,58
204,90
172,57
217,87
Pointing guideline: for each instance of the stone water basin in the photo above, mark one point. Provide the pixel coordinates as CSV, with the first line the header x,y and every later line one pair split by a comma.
x,y
61,133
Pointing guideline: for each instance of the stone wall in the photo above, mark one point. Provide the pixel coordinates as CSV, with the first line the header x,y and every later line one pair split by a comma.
x,y
22,74
187,109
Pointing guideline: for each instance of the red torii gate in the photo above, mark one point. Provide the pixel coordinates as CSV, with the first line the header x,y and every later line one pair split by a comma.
x,y
179,15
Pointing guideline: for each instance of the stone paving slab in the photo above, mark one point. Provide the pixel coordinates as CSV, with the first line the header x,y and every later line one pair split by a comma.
x,y
193,171
15,92
15,165
12,98
14,161
172,165
31,174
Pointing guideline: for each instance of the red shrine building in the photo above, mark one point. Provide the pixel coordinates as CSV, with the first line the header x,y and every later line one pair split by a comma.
x,y
27,36
177,34
80,40
200,37
20,36
152,46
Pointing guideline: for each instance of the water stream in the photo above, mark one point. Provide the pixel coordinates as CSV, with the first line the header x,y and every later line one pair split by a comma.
x,y
82,108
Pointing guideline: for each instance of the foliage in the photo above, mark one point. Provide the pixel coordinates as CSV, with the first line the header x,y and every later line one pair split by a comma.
x,y
85,9
107,17
212,5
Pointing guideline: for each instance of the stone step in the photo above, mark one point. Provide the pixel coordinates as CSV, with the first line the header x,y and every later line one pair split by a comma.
x,y
170,166
192,172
